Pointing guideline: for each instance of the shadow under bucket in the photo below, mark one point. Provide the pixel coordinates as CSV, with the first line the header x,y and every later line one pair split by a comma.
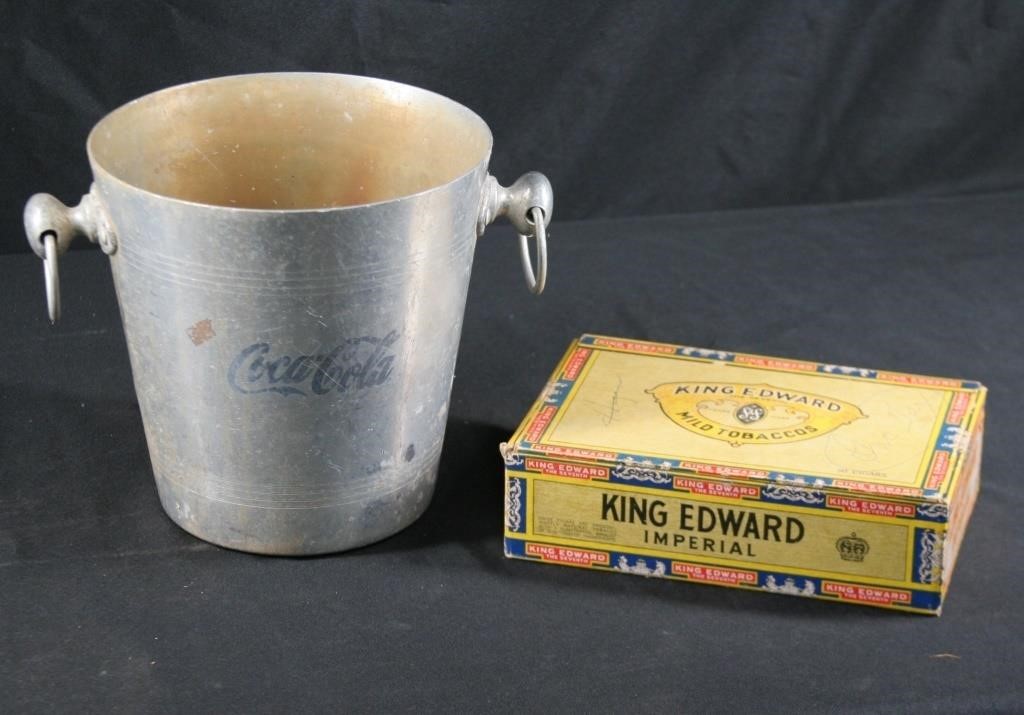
x,y
291,254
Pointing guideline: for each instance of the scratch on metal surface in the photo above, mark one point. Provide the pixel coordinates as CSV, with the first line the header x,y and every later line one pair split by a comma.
x,y
207,158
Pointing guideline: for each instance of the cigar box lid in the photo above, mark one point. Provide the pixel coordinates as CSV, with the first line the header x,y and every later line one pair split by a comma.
x,y
655,410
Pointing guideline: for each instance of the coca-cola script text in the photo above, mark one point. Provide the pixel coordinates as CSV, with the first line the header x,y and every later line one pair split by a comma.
x,y
354,364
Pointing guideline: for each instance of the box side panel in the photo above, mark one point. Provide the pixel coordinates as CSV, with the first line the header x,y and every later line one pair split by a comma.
x,y
575,513
962,504
960,434
784,583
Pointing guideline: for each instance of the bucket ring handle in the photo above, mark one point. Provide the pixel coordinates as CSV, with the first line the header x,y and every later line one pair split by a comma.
x,y
528,204
51,275
535,282
50,227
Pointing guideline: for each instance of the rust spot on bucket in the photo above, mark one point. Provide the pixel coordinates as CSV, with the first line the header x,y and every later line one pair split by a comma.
x,y
201,332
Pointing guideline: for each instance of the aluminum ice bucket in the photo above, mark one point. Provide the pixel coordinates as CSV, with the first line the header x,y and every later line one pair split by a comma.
x,y
291,254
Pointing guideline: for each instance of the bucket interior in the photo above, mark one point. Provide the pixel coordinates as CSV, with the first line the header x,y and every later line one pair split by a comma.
x,y
289,141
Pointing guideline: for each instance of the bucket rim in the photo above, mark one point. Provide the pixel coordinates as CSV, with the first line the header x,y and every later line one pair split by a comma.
x,y
108,175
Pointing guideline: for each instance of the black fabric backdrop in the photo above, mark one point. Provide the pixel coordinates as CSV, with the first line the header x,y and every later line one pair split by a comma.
x,y
886,114
630,108
107,606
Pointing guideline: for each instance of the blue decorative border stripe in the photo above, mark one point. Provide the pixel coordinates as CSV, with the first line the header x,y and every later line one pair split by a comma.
x,y
515,504
789,583
927,563
781,488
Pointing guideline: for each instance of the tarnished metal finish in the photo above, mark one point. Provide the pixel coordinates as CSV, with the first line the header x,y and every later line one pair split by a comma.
x,y
528,205
293,367
50,227
531,190
535,284
51,276
254,445
46,214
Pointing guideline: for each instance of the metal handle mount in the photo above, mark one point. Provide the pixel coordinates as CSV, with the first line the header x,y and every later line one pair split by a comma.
x,y
50,227
528,205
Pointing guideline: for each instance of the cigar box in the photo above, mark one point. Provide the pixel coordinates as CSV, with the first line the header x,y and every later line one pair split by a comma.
x,y
770,474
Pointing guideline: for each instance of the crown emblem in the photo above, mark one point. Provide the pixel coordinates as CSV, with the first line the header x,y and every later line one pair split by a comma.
x,y
852,547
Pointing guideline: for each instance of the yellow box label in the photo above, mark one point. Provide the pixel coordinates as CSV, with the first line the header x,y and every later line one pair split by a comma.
x,y
750,416
725,531
750,471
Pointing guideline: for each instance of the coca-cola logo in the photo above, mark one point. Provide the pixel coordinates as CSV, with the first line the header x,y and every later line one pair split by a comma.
x,y
355,364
